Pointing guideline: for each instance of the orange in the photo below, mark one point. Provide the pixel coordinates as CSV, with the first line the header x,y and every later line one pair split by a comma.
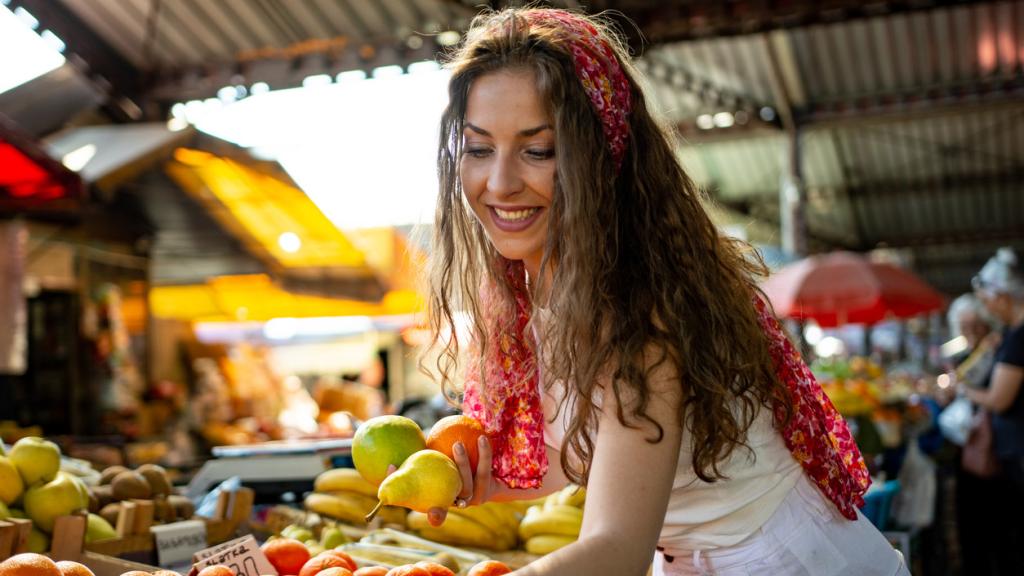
x,y
371,571
335,571
29,564
435,569
322,562
489,568
286,554
69,568
407,570
459,428
135,573
349,562
216,570
165,573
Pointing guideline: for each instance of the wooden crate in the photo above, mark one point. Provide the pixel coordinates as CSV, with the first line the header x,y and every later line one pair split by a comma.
x,y
136,518
67,544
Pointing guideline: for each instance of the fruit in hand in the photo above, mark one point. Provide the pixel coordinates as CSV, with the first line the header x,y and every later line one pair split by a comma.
x,y
459,428
385,441
427,479
36,459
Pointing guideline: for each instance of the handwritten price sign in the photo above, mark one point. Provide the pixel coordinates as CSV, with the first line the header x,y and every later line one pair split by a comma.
x,y
243,555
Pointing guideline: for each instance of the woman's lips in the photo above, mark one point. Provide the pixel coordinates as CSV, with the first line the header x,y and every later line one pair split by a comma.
x,y
514,220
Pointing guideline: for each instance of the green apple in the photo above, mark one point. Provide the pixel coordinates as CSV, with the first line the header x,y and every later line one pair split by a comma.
x,y
11,485
37,459
59,497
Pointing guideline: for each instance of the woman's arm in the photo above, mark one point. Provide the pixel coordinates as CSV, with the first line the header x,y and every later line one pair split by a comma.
x,y
627,493
1003,390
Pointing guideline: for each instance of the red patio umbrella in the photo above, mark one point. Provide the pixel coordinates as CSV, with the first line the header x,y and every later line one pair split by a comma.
x,y
846,288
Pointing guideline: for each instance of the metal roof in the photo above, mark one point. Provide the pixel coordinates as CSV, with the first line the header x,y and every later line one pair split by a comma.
x,y
909,114
911,128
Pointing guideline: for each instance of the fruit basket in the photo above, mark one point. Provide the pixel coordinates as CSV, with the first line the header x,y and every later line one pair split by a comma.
x,y
137,516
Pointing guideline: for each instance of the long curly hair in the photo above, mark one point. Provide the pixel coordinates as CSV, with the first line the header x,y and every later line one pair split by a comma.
x,y
637,263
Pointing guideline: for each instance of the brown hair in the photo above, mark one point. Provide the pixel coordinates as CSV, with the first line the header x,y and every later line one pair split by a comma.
x,y
638,264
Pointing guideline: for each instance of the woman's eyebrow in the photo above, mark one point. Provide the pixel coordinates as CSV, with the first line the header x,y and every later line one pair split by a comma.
x,y
527,132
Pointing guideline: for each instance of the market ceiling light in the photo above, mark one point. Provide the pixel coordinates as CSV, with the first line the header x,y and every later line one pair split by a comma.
x,y
280,328
387,71
767,113
35,55
53,40
448,38
228,93
350,76
289,242
829,347
26,17
316,80
723,119
177,124
259,88
813,334
705,122
79,157
943,381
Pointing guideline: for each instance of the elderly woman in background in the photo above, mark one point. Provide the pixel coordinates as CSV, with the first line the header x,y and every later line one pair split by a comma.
x,y
1000,288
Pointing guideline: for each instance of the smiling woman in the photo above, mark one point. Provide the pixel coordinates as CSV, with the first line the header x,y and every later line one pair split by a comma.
x,y
619,340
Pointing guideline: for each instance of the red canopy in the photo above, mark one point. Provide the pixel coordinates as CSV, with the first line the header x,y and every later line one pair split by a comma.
x,y
30,180
846,288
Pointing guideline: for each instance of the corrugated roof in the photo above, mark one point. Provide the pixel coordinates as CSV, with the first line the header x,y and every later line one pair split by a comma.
x,y
911,127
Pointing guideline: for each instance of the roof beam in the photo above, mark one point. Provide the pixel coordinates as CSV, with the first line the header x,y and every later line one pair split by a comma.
x,y
663,22
97,59
999,181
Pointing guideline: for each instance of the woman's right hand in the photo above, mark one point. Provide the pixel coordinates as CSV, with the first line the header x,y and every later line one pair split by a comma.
x,y
476,488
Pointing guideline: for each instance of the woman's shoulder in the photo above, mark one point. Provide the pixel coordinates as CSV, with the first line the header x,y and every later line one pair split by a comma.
x,y
1011,351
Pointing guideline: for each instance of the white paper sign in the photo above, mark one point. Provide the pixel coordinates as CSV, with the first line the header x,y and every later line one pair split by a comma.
x,y
178,541
243,555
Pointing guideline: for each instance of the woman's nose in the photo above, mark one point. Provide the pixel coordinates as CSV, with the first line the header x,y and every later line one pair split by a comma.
x,y
504,177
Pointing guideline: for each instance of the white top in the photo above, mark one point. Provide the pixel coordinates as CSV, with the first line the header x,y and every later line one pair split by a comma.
x,y
702,515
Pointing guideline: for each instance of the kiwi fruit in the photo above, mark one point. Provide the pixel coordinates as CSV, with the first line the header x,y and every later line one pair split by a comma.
x,y
183,507
108,474
163,511
110,513
104,495
156,476
94,502
128,485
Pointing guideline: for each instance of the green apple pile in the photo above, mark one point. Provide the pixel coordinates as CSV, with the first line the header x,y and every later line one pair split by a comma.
x,y
33,486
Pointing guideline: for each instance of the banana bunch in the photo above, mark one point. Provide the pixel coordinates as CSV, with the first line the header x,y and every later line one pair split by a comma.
x,y
492,526
556,523
342,494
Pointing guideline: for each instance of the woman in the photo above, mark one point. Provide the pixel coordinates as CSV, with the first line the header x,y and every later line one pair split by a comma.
x,y
619,340
1000,287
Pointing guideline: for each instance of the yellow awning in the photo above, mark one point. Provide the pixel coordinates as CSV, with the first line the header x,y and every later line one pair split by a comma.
x,y
260,210
257,298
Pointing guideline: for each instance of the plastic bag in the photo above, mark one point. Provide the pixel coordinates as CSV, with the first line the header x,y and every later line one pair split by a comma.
x,y
955,420
914,505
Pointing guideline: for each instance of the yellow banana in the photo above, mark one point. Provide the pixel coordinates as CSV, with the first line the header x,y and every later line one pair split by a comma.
x,y
508,514
547,543
457,530
481,515
347,506
556,522
551,499
573,495
344,480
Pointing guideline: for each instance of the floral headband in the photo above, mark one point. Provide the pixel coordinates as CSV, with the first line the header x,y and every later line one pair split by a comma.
x,y
598,70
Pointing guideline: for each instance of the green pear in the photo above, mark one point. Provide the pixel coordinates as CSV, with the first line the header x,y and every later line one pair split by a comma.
x,y
427,479
332,537
11,485
4,511
59,497
98,529
36,459
385,441
38,541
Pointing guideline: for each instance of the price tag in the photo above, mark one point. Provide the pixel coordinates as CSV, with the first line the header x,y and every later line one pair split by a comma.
x,y
178,541
243,555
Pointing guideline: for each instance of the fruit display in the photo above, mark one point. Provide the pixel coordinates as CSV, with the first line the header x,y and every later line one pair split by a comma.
x,y
147,482
343,494
548,527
